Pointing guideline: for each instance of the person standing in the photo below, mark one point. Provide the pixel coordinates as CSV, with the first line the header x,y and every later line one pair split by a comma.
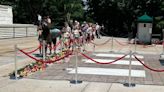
x,y
39,31
49,21
97,31
46,32
39,19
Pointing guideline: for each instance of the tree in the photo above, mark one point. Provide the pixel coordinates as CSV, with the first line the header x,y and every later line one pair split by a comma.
x,y
25,11
120,16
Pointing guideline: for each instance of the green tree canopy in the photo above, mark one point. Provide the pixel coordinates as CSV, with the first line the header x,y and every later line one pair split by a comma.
x,y
25,11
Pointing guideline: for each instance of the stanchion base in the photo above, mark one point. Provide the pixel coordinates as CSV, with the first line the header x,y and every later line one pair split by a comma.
x,y
12,77
129,85
135,53
111,51
75,82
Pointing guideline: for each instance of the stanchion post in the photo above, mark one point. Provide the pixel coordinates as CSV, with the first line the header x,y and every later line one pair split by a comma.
x,y
15,60
112,45
93,48
163,42
63,47
84,42
76,81
44,50
130,84
26,32
14,33
130,67
84,47
76,66
135,42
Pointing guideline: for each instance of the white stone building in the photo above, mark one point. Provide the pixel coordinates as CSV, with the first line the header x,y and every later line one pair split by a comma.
x,y
6,14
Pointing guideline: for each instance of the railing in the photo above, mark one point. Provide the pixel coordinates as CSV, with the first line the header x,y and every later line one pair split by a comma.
x,y
17,30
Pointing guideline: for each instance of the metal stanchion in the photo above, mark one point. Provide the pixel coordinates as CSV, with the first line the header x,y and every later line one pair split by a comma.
x,y
26,32
63,47
15,59
14,33
163,42
93,49
84,47
44,50
135,42
162,54
76,81
84,42
112,45
163,47
130,84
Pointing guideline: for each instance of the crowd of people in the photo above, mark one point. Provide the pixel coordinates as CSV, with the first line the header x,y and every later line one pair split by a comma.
x,y
72,33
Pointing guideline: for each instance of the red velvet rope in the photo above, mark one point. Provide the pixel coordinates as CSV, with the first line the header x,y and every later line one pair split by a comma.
x,y
120,43
102,62
47,61
34,50
41,46
155,70
101,43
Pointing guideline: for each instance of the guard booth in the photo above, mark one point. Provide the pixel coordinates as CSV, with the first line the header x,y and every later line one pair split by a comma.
x,y
144,29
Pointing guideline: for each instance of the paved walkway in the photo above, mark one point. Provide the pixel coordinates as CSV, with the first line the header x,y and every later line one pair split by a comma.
x,y
7,53
116,73
30,85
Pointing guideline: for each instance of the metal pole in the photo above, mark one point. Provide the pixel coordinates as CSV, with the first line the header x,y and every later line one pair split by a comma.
x,y
26,32
64,47
135,44
44,50
84,42
13,32
130,84
130,67
84,47
112,45
163,46
76,81
163,41
61,45
76,65
15,59
93,49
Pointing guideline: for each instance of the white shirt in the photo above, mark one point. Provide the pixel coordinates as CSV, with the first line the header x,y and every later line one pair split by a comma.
x,y
49,20
39,18
89,30
97,27
68,29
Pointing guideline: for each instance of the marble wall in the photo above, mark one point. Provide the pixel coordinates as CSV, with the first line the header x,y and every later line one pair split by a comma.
x,y
6,15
